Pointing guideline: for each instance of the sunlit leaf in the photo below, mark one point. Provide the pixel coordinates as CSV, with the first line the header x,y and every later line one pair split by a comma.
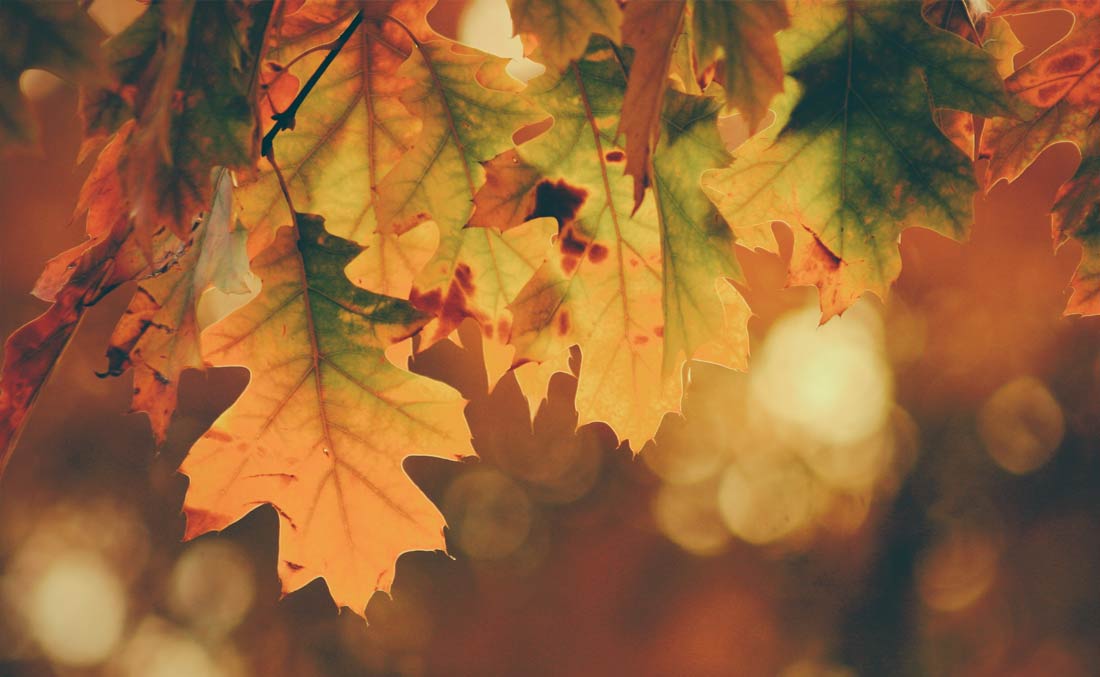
x,y
352,128
741,34
1063,86
469,109
612,284
325,422
555,32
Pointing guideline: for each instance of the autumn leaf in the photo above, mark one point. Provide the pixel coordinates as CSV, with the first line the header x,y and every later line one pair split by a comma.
x,y
72,281
992,34
469,109
352,128
856,156
325,422
158,334
555,32
1062,85
187,73
705,316
478,273
612,282
651,28
741,34
1077,215
58,37
32,352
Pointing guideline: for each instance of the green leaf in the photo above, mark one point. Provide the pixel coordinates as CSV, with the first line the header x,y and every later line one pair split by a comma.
x,y
857,156
742,34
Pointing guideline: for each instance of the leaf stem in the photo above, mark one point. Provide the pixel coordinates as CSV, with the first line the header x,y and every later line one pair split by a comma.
x,y
285,119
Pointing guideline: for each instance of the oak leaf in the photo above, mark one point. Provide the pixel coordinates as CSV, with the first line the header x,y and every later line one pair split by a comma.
x,y
992,34
469,107
351,129
555,32
158,334
740,34
322,428
1063,86
640,291
187,73
72,281
855,156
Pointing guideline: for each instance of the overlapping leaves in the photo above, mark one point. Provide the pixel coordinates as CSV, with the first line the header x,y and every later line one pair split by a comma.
x,y
1062,86
402,205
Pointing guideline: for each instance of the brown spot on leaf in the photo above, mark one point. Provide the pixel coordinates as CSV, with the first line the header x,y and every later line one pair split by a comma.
x,y
1049,94
641,339
659,331
429,302
1067,63
563,322
218,436
615,156
559,200
293,566
572,245
572,242
597,253
823,255
454,308
504,329
465,277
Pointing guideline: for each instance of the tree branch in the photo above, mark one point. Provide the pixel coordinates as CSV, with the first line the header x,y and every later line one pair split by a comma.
x,y
285,119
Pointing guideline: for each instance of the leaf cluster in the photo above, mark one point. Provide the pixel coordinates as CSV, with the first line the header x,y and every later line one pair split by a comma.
x,y
407,182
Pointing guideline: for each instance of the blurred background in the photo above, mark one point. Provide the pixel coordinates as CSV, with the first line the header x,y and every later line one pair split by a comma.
x,y
911,489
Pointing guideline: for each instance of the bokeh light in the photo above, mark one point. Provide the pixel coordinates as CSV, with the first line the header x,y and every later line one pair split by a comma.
x,y
76,609
831,383
958,571
212,586
763,499
806,439
158,648
487,25
688,515
681,455
1021,425
490,514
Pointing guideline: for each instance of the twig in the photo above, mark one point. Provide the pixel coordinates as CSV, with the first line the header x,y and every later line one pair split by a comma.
x,y
285,119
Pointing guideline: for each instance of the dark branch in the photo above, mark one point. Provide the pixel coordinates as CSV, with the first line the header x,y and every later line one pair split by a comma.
x,y
285,119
